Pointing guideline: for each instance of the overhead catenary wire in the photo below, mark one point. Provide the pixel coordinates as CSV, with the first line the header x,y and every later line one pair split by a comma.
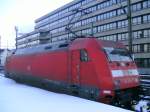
x,y
70,25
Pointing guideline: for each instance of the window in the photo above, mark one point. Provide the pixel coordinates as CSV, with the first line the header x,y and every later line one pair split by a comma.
x,y
108,3
107,27
75,6
117,54
123,36
113,2
147,33
110,37
119,1
146,18
77,24
138,48
119,12
137,34
146,47
89,20
122,24
86,2
84,55
141,47
107,15
70,35
136,7
136,20
95,30
146,4
134,48
86,31
90,10
104,27
143,62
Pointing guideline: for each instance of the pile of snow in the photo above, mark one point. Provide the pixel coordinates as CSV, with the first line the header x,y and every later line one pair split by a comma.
x,y
16,97
143,106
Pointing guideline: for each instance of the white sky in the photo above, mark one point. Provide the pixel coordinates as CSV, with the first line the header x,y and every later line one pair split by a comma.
x,y
22,13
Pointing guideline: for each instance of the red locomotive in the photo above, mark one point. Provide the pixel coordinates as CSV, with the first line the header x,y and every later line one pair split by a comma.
x,y
87,67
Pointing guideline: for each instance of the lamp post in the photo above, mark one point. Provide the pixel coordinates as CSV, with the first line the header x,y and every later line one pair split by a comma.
x,y
16,31
92,30
129,16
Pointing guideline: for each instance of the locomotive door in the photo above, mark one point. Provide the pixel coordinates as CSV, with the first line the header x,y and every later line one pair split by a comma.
x,y
75,67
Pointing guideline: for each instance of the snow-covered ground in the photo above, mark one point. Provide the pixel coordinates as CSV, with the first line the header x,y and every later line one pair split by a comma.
x,y
16,97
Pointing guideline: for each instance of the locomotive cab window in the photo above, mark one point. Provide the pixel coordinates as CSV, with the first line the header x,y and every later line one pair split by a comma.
x,y
84,55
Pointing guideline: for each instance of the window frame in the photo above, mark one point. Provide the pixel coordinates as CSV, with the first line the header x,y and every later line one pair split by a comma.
x,y
84,56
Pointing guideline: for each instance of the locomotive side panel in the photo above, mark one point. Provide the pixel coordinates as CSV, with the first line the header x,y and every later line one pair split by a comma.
x,y
88,74
51,65
19,64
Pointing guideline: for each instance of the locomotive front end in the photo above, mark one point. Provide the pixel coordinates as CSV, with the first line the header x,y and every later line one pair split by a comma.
x,y
124,74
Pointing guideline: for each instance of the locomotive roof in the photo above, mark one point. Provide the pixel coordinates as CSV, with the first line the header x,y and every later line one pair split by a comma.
x,y
41,48
63,45
45,47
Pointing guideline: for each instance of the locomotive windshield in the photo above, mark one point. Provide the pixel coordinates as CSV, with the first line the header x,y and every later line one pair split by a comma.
x,y
117,54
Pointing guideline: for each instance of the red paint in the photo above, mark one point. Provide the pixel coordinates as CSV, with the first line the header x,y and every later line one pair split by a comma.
x,y
65,65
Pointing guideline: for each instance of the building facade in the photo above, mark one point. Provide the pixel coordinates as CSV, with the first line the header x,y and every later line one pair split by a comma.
x,y
104,19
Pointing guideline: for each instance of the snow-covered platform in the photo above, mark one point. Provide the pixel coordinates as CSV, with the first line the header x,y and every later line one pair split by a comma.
x,y
16,97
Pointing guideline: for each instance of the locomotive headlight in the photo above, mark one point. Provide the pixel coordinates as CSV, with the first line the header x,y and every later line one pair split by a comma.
x,y
107,92
117,73
133,72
